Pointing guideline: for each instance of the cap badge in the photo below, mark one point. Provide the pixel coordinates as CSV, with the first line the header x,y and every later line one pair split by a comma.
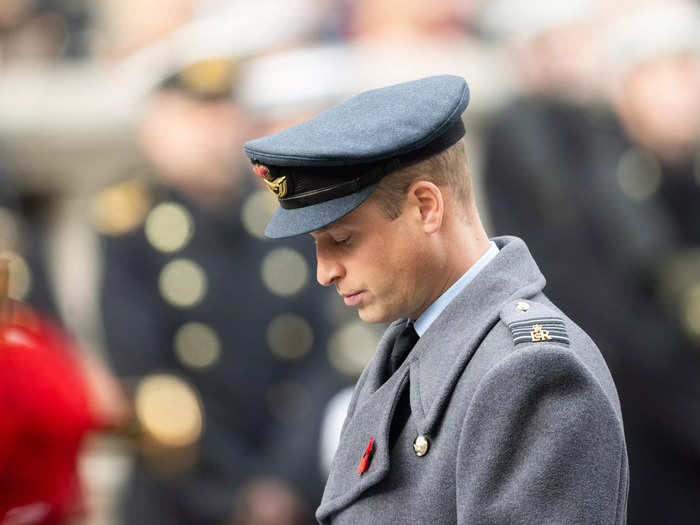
x,y
278,185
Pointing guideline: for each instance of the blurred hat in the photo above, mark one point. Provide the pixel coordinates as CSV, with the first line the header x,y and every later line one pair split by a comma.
x,y
209,78
653,32
528,19
312,78
326,167
195,56
306,79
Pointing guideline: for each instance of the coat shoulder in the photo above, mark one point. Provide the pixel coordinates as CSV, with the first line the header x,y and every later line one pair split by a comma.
x,y
534,325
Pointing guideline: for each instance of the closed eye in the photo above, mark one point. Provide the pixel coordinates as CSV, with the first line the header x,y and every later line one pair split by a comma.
x,y
345,241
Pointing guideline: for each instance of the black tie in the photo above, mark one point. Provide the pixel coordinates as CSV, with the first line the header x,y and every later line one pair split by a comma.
x,y
402,346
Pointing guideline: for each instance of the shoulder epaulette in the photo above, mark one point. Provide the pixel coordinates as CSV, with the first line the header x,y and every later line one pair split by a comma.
x,y
121,207
531,322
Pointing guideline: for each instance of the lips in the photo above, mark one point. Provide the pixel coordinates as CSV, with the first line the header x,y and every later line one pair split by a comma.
x,y
352,299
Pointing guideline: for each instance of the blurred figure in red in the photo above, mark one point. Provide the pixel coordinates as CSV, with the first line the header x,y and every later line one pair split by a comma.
x,y
46,412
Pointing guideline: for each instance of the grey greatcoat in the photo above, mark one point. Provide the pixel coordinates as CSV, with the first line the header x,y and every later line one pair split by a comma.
x,y
520,430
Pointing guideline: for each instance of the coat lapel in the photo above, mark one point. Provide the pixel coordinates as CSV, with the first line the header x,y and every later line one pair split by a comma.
x,y
372,419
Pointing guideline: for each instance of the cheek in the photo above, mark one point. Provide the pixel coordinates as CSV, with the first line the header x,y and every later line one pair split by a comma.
x,y
394,269
414,276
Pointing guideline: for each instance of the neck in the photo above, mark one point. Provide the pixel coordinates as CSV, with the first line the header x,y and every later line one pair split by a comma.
x,y
467,243
463,245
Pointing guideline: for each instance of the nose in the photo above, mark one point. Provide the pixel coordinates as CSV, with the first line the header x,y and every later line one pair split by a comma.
x,y
328,269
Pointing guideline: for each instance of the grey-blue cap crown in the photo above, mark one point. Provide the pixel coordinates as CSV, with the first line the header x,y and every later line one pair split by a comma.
x,y
369,127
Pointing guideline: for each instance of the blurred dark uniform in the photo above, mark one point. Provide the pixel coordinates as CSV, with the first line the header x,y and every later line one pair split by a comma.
x,y
239,320
617,232
23,232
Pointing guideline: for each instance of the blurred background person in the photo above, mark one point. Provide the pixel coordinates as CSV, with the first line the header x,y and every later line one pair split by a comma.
x,y
596,165
42,31
219,334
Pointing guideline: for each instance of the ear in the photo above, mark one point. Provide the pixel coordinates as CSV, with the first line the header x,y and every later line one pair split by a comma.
x,y
430,205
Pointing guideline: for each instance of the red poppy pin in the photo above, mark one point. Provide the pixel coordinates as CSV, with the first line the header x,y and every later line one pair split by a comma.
x,y
364,462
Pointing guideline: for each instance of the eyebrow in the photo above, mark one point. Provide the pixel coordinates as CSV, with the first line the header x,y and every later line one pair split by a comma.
x,y
323,229
328,227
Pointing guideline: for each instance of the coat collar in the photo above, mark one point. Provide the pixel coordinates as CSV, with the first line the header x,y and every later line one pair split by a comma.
x,y
439,361
433,367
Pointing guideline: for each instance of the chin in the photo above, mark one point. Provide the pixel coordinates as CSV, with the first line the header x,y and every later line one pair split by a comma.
x,y
369,315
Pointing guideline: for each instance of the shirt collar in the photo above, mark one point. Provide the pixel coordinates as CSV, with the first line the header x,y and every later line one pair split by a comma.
x,y
434,310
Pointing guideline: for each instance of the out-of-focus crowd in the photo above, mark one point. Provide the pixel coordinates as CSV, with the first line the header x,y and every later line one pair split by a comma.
x,y
198,375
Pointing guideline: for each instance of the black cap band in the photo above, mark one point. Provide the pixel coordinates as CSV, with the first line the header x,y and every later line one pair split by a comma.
x,y
361,175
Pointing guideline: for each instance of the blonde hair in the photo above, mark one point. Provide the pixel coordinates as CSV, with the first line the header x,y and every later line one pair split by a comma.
x,y
447,168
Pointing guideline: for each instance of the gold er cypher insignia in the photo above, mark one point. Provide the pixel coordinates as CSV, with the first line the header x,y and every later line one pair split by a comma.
x,y
538,334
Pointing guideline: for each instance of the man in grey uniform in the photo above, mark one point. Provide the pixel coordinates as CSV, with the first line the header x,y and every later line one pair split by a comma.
x,y
484,403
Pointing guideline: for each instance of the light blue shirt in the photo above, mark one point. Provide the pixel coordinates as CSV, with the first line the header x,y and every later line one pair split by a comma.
x,y
434,310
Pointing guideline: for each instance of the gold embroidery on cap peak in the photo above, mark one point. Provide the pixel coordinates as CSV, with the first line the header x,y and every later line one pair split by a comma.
x,y
278,186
